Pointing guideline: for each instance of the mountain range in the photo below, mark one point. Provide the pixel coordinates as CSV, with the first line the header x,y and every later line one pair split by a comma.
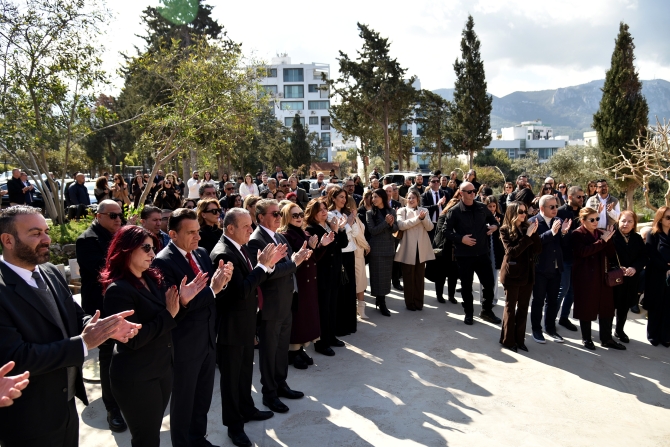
x,y
569,111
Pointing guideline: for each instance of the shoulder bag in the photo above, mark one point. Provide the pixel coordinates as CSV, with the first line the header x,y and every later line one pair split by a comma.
x,y
614,276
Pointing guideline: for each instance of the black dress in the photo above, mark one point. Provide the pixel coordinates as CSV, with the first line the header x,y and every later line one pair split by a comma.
x,y
444,267
209,236
631,253
656,291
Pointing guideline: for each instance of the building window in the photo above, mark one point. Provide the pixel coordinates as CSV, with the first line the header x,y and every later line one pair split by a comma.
x,y
272,72
313,120
325,123
269,90
293,75
325,139
292,105
289,121
314,88
294,91
318,105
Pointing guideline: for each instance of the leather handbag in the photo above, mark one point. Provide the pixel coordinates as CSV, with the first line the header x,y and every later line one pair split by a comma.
x,y
398,235
614,277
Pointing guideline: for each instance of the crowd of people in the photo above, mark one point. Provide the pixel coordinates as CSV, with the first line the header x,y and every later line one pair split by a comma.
x,y
211,272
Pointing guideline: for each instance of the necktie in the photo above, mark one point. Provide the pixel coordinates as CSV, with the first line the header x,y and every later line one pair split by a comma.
x,y
435,195
194,266
258,289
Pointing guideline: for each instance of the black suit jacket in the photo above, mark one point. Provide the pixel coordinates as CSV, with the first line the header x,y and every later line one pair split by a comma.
x,y
15,191
31,337
237,306
278,288
149,354
196,330
552,246
428,202
92,246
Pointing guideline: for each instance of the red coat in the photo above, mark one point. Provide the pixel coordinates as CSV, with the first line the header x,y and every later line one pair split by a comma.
x,y
593,298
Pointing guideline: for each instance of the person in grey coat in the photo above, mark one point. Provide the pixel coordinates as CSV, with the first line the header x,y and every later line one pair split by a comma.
x,y
381,223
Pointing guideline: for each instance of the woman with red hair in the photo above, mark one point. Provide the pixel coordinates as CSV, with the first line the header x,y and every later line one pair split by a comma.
x,y
141,369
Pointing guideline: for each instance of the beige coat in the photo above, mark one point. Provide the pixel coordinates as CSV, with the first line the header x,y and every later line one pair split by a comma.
x,y
415,234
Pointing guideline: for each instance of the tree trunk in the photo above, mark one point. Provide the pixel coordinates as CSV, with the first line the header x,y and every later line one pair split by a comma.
x,y
387,145
439,155
185,162
630,192
194,161
471,156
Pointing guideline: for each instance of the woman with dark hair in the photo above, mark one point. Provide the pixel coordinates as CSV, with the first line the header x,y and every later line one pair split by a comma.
x,y
248,188
471,177
137,188
517,274
167,197
120,190
305,327
231,201
101,190
591,190
415,249
249,204
141,369
345,323
328,270
593,297
502,198
207,179
224,179
267,194
631,256
496,249
381,223
358,185
208,212
657,291
444,268
189,203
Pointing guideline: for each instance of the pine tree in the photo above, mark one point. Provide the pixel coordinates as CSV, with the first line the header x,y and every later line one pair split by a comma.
x,y
300,154
471,107
623,112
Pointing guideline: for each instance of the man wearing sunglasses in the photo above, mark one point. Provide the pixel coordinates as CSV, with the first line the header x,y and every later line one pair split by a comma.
x,y
569,212
468,226
607,206
91,252
194,338
554,235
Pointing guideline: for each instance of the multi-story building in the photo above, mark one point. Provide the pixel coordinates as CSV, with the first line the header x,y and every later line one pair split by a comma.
x,y
528,136
299,88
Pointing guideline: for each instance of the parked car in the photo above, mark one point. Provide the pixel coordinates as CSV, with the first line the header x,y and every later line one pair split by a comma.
x,y
38,200
400,176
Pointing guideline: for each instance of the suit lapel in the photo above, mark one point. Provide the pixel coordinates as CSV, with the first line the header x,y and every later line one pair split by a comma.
x,y
60,297
152,293
203,263
237,253
180,260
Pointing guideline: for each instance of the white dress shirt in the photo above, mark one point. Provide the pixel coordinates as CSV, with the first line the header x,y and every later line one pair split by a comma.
x,y
239,248
436,199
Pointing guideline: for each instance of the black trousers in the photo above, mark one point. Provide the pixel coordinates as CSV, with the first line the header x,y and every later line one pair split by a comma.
x,y
105,353
545,295
328,311
66,436
621,316
467,267
605,327
396,273
273,354
192,390
236,364
143,404
451,279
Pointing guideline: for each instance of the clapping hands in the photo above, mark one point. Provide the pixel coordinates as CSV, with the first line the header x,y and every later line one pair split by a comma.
x,y
301,255
327,238
390,219
221,276
532,228
606,235
188,291
422,213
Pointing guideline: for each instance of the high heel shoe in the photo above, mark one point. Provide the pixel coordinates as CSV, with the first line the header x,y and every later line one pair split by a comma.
x,y
380,303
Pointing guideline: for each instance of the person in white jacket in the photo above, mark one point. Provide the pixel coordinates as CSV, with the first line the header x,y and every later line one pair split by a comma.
x,y
249,188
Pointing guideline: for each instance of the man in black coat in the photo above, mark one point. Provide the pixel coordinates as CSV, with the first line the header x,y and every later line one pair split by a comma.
x,y
194,337
276,315
303,197
16,189
237,321
554,236
569,212
45,332
434,199
468,226
91,251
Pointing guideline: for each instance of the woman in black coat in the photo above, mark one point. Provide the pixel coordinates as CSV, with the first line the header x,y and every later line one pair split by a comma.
x,y
328,271
496,249
382,223
444,268
631,254
657,292
141,369
167,197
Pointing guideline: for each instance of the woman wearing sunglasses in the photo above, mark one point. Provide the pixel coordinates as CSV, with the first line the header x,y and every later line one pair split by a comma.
x,y
517,273
305,325
593,297
167,197
141,369
208,212
657,291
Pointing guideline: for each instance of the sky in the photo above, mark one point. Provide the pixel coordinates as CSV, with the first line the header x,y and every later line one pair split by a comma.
x,y
525,45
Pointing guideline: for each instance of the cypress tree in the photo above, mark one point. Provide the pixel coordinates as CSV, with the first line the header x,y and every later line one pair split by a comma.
x,y
623,111
471,107
300,156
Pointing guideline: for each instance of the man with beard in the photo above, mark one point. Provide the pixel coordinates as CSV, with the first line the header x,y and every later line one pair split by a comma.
x,y
45,332
91,252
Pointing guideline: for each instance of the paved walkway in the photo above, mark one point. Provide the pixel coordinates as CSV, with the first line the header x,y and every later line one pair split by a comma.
x,y
424,378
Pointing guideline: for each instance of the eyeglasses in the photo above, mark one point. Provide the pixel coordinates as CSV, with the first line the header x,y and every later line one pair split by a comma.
x,y
551,207
214,211
471,191
561,186
349,185
546,189
146,248
434,181
666,217
298,215
274,214
521,212
113,216
167,183
579,197
596,219
230,188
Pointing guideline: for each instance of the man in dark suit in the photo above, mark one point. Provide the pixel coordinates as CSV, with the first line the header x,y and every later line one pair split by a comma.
x,y
278,174
91,251
303,197
237,321
569,212
554,234
16,189
194,337
45,332
276,315
434,199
